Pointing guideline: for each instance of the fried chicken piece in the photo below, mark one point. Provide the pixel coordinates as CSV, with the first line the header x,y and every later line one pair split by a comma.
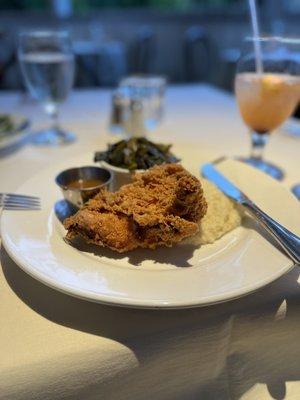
x,y
161,207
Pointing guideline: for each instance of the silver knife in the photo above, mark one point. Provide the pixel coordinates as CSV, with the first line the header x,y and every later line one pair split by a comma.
x,y
289,242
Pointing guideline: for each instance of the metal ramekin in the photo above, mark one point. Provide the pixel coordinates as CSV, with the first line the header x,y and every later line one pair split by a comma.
x,y
77,197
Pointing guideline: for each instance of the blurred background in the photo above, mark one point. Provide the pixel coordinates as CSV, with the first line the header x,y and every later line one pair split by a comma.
x,y
184,40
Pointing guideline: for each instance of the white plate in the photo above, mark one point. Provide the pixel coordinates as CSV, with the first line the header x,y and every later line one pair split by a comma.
x,y
239,263
18,134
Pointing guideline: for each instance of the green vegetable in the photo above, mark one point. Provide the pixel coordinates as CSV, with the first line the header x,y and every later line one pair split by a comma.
x,y
6,124
136,153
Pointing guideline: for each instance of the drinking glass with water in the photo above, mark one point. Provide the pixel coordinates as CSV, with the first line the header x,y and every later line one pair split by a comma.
x,y
47,64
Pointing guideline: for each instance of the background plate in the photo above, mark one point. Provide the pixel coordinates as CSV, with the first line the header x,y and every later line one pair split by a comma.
x,y
17,135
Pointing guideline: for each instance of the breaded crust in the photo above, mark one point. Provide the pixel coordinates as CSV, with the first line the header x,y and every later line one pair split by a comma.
x,y
161,207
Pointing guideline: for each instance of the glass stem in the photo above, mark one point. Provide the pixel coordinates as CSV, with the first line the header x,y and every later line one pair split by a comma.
x,y
53,114
258,143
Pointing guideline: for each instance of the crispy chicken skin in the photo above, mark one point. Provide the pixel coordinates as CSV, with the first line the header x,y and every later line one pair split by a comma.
x,y
161,207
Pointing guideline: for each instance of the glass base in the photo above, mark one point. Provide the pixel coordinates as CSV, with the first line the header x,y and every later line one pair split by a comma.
x,y
296,191
292,127
268,168
53,137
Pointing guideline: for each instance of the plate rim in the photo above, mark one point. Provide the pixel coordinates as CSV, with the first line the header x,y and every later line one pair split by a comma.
x,y
127,303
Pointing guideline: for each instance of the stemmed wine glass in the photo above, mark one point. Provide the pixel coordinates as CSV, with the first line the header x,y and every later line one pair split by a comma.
x,y
267,97
47,64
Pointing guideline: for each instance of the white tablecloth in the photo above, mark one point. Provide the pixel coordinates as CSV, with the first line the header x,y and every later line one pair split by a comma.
x,y
57,347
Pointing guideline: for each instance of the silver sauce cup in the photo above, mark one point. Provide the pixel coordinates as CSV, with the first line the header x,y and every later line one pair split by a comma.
x,y
76,197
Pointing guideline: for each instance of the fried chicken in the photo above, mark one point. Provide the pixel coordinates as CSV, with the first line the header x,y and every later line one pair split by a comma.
x,y
159,208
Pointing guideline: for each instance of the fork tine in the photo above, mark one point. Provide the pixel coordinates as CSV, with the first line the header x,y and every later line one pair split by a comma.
x,y
19,201
21,209
19,198
18,207
16,195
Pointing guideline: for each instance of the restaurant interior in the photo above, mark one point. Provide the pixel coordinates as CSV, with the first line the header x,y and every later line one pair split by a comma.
x,y
184,40
149,199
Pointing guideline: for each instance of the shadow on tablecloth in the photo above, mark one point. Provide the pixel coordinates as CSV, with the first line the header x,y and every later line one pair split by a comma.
x,y
226,348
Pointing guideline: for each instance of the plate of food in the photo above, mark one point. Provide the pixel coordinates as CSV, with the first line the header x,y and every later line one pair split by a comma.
x,y
168,239
13,128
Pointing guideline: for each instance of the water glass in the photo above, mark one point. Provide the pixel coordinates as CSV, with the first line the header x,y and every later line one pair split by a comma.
x,y
47,65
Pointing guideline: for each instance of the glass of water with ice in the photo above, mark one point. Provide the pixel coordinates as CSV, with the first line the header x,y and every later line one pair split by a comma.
x,y
47,65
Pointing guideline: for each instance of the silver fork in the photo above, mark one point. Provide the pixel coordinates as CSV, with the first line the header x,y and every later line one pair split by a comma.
x,y
12,201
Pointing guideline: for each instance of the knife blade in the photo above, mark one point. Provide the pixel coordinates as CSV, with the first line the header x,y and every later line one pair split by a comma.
x,y
289,242
224,184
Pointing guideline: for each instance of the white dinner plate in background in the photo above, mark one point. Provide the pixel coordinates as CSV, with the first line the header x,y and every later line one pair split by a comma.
x,y
16,135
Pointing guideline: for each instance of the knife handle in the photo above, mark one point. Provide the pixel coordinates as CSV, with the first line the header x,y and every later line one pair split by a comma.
x,y
289,242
